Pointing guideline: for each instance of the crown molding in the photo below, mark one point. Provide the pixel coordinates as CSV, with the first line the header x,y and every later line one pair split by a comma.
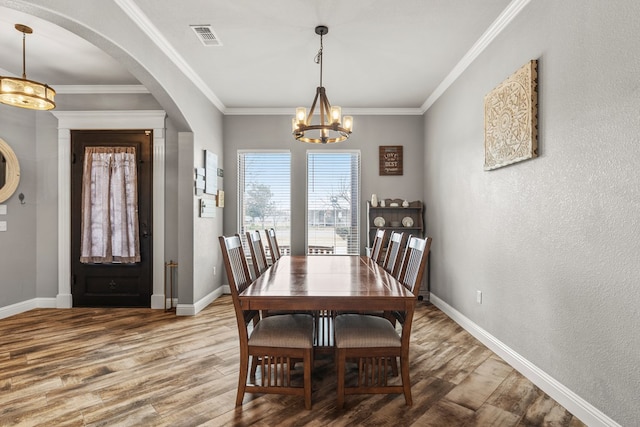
x,y
143,22
138,16
504,19
98,89
126,119
345,111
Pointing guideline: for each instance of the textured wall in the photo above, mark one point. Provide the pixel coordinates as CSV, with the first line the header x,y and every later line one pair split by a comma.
x,y
17,244
551,242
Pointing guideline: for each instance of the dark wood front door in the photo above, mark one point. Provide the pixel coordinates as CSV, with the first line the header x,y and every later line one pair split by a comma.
x,y
112,285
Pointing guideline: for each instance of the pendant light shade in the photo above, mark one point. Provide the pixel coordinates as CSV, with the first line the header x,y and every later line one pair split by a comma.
x,y
26,93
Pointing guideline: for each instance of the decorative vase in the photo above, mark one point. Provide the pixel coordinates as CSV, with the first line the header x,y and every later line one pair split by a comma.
x,y
382,203
405,204
374,201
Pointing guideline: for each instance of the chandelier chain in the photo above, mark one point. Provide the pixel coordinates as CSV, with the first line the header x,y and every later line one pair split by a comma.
x,y
318,58
24,61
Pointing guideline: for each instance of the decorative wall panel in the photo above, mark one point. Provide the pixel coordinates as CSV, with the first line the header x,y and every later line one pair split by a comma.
x,y
511,119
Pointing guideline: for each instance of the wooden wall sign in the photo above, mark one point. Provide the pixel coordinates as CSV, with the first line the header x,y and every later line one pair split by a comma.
x,y
511,119
390,159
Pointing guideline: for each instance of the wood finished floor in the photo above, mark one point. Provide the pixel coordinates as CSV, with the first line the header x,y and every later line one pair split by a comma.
x,y
141,367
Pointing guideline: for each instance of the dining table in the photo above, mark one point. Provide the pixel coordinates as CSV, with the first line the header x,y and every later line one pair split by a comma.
x,y
326,284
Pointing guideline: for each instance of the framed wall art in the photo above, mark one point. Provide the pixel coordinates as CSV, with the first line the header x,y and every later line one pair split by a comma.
x,y
511,119
390,159
210,173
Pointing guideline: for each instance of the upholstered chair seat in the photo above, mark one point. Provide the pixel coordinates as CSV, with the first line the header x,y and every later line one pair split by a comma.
x,y
357,331
269,331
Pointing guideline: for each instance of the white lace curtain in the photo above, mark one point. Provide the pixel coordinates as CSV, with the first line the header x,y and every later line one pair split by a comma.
x,y
109,206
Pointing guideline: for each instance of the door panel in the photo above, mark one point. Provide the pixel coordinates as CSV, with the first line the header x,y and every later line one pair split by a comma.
x,y
112,285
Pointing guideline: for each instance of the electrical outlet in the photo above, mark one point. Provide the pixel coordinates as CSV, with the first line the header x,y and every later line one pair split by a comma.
x,y
479,297
3,225
214,270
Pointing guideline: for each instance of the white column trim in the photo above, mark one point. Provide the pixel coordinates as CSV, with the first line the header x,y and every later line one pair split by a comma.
x,y
158,297
63,298
112,119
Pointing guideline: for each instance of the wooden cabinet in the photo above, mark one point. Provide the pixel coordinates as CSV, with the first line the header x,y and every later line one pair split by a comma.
x,y
393,217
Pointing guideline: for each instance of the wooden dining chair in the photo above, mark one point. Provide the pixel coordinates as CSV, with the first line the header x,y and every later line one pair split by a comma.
x,y
276,341
274,249
397,242
258,255
374,342
379,241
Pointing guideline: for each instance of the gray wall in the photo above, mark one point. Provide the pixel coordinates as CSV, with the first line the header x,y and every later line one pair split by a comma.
x,y
29,249
274,132
17,244
551,242
46,249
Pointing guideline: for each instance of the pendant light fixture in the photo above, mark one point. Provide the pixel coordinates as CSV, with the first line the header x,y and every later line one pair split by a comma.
x,y
331,126
22,92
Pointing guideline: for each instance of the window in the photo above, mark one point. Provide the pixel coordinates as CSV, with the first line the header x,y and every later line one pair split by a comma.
x,y
264,195
333,200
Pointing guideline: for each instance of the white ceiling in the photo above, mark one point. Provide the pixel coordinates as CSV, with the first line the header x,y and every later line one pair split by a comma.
x,y
377,54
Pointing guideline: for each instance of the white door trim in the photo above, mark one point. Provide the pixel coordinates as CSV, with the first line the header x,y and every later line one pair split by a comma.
x,y
136,119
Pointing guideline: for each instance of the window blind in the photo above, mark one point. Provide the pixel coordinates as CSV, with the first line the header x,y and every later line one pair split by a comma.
x,y
264,195
333,195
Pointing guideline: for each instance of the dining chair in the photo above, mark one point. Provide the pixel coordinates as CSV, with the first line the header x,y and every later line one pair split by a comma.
x,y
397,242
379,240
258,255
276,341
274,249
374,341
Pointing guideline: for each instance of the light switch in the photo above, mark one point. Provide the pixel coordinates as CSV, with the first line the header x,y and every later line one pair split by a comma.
x,y
3,209
3,225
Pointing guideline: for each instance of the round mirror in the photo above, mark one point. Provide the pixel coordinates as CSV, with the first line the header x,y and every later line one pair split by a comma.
x,y
9,171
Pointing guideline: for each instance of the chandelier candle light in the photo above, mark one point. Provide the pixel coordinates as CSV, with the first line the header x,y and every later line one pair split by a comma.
x,y
22,92
332,127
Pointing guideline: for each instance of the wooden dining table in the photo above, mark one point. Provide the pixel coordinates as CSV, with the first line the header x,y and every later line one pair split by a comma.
x,y
327,282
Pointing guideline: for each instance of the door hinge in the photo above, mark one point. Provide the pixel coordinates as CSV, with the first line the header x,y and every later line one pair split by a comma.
x,y
73,158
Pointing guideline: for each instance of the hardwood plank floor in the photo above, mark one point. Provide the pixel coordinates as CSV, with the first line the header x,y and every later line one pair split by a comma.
x,y
142,367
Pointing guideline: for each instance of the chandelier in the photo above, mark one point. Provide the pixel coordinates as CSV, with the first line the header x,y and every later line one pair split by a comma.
x,y
22,92
331,127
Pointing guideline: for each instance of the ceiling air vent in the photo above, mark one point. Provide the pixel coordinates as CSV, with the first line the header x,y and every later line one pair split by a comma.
x,y
206,35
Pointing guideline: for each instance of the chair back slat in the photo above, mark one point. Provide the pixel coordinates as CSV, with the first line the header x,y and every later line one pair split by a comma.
x,y
414,262
379,240
392,259
235,264
274,249
258,255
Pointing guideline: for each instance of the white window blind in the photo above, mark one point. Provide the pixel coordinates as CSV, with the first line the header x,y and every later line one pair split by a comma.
x,y
264,195
333,200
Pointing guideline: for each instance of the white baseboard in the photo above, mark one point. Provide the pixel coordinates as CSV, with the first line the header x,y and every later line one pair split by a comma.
x,y
158,302
21,307
579,407
193,309
64,301
46,302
